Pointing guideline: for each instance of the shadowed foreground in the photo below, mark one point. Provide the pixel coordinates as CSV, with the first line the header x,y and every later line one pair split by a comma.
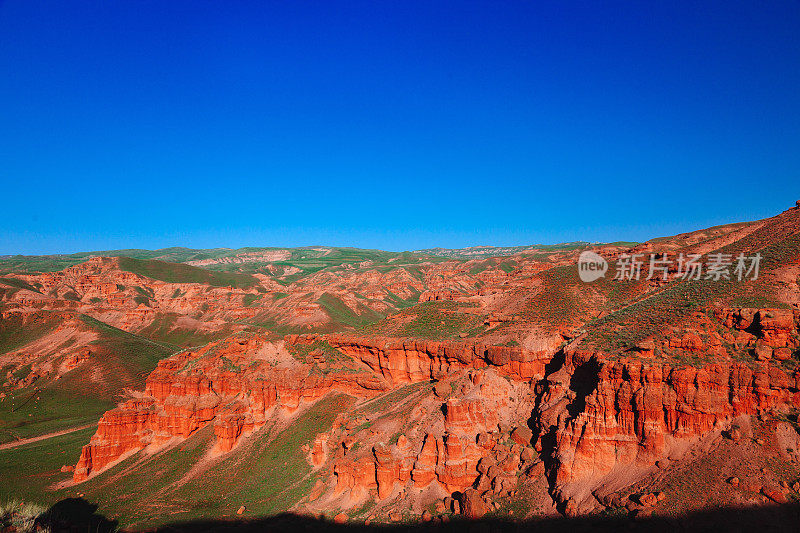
x,y
79,515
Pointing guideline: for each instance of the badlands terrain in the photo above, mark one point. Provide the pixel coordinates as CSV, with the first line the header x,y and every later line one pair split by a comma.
x,y
207,389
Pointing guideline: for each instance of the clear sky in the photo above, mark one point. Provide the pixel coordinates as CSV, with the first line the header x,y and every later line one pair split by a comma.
x,y
391,124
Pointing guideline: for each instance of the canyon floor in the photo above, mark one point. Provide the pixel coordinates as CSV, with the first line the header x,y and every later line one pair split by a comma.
x,y
267,388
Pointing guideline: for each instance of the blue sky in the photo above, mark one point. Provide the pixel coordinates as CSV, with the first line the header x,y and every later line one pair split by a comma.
x,y
393,125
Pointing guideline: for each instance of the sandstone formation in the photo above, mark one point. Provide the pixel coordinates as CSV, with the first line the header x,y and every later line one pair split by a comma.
x,y
600,416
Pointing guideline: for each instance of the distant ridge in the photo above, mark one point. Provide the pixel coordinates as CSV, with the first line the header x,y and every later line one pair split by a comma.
x,y
250,259
479,252
247,260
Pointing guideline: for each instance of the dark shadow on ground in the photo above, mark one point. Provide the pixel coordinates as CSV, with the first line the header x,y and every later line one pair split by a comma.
x,y
785,518
75,515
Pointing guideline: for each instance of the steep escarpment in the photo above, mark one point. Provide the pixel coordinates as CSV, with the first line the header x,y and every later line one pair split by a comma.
x,y
467,430
412,360
237,383
603,422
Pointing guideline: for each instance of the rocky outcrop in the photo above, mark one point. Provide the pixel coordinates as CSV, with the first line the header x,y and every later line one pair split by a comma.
x,y
225,382
595,416
468,415
440,295
237,384
776,328
410,361
451,461
464,448
605,415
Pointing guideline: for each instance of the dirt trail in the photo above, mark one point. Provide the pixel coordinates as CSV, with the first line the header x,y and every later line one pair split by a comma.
x,y
23,442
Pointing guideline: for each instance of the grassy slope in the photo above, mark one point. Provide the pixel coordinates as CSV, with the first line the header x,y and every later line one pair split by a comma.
x,y
779,243
119,360
32,412
180,273
268,476
28,471
310,261
163,329
429,320
342,316
14,334
126,354
562,299
19,284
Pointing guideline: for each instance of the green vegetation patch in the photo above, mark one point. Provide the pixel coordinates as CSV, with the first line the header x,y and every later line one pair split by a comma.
x,y
322,350
429,320
71,295
29,471
118,360
180,273
342,315
398,302
508,266
164,329
625,327
20,284
561,300
140,353
33,411
381,403
16,333
249,299
118,490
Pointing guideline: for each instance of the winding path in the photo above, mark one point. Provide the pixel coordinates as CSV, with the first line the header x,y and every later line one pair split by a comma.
x,y
23,442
